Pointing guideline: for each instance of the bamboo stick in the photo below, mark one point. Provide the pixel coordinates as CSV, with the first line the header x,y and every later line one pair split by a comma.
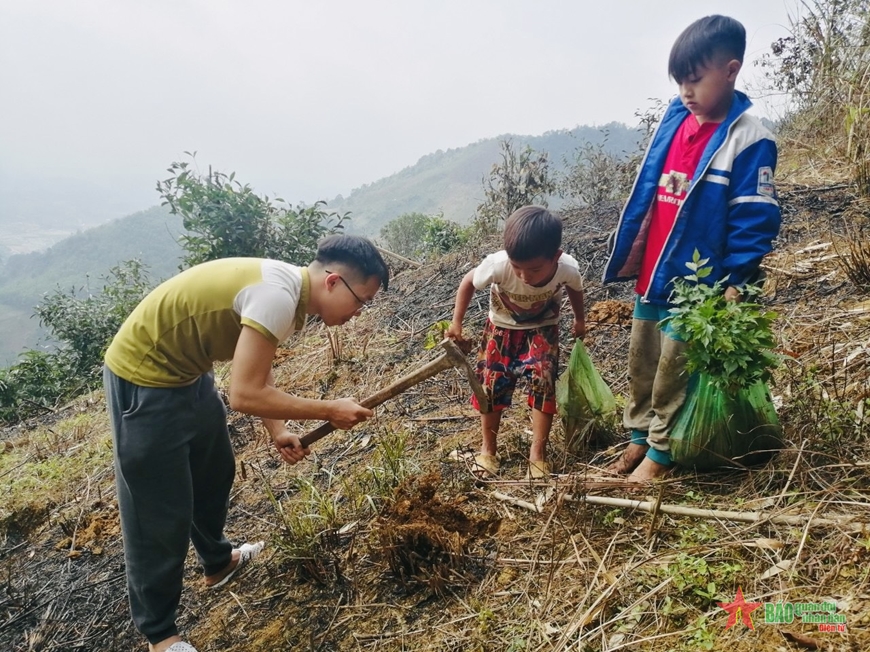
x,y
716,514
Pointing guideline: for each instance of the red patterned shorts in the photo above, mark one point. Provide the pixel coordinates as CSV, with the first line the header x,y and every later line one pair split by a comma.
x,y
506,354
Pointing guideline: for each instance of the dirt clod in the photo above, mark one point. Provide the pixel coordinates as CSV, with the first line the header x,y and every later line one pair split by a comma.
x,y
424,539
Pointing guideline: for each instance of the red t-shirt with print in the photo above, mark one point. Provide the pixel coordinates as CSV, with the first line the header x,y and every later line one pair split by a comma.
x,y
683,156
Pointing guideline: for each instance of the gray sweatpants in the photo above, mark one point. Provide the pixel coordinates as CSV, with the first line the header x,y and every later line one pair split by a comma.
x,y
174,470
657,380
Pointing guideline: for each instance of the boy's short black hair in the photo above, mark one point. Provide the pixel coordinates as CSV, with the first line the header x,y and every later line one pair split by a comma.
x,y
531,232
356,253
703,41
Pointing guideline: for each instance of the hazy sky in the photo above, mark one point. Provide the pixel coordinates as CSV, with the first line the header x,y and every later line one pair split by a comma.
x,y
308,99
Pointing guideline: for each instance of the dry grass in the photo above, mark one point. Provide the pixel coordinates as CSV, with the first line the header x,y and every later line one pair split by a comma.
x,y
382,542
50,467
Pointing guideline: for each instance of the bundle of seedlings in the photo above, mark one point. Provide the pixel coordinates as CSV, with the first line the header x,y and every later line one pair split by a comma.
x,y
728,418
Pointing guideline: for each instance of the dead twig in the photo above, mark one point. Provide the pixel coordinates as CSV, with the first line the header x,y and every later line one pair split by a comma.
x,y
516,501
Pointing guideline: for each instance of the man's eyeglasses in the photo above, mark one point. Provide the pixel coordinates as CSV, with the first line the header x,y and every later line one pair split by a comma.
x,y
363,304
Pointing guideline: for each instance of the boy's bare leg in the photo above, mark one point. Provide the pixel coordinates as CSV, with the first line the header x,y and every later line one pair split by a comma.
x,y
541,424
486,463
490,422
644,351
165,644
631,458
648,470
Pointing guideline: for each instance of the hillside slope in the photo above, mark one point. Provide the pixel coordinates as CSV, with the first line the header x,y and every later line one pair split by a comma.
x,y
82,261
381,542
450,182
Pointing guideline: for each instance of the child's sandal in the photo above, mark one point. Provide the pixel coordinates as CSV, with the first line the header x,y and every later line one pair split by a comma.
x,y
539,470
485,466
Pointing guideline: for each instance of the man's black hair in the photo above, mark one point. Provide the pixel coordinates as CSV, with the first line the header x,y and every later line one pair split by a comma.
x,y
356,253
704,41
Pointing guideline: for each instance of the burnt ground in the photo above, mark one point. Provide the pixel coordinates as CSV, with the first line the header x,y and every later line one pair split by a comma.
x,y
383,542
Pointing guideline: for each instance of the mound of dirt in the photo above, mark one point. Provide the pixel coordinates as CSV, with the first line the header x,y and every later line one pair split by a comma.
x,y
92,534
423,539
610,311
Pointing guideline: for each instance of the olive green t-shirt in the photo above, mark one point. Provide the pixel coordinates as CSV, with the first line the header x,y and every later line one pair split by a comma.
x,y
194,319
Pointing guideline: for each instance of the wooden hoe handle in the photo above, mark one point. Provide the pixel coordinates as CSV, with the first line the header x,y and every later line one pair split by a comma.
x,y
428,370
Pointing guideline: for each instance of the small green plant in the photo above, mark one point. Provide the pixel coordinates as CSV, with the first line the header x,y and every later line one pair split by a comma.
x,y
702,637
730,341
611,516
435,334
692,576
698,534
390,464
310,513
485,618
699,580
517,644
307,533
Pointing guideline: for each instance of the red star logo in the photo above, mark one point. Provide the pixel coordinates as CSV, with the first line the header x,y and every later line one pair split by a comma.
x,y
741,606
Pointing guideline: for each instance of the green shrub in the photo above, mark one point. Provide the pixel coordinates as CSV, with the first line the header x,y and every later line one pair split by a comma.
x,y
442,236
295,232
420,236
594,175
823,68
519,180
225,218
82,328
35,384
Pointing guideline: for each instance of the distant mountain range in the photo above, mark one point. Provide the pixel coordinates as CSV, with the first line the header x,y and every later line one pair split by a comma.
x,y
448,182
81,261
37,210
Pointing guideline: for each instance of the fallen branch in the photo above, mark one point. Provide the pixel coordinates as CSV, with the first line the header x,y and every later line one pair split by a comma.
x,y
510,561
393,254
716,514
801,191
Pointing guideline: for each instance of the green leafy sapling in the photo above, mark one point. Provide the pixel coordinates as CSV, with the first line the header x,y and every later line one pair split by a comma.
x,y
730,341
435,334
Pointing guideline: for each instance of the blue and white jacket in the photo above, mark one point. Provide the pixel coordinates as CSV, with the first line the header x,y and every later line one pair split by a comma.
x,y
730,213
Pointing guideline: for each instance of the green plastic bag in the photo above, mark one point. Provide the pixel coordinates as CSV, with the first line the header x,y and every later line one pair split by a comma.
x,y
584,400
717,429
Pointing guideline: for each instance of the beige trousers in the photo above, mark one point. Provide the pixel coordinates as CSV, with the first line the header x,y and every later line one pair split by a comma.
x,y
657,382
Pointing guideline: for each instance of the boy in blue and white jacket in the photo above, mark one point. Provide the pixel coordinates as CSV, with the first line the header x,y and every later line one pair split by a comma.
x,y
706,183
